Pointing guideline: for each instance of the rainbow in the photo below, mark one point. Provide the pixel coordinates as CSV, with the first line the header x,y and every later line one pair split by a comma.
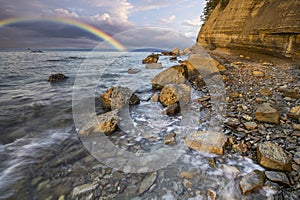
x,y
83,26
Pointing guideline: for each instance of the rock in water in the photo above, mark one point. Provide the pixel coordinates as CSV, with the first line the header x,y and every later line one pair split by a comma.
x,y
171,110
170,139
154,66
153,58
82,189
294,112
105,123
117,97
147,182
56,77
207,141
133,71
173,75
265,113
273,157
252,181
279,177
172,94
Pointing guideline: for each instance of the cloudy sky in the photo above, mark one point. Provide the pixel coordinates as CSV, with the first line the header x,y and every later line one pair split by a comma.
x,y
111,16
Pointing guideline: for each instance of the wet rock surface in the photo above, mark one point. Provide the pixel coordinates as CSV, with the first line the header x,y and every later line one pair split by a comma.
x,y
56,77
252,181
117,97
171,94
153,58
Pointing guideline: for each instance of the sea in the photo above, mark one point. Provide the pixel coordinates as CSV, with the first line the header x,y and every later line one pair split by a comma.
x,y
36,115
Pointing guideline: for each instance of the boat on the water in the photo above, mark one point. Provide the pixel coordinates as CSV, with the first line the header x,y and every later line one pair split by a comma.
x,y
35,51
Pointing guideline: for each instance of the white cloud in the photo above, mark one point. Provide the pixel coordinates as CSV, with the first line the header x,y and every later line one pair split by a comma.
x,y
195,22
103,17
66,13
169,20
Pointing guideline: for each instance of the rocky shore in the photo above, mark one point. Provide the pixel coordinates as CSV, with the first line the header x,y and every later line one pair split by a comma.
x,y
261,128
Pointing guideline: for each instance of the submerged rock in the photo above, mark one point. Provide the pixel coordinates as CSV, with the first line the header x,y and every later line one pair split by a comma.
x,y
82,189
170,139
252,181
153,58
273,157
278,177
172,94
56,77
105,123
173,75
147,182
154,66
133,71
117,97
207,141
265,113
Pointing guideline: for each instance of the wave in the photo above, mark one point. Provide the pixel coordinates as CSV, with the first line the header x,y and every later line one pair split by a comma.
x,y
17,157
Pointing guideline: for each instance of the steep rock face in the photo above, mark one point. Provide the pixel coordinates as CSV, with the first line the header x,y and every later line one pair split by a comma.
x,y
265,26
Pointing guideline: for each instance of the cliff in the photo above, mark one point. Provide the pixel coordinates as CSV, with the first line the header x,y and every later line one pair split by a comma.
x,y
264,26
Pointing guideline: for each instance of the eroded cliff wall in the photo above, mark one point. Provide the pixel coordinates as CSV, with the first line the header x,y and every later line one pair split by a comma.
x,y
264,26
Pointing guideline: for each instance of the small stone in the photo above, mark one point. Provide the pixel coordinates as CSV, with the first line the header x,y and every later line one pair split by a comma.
x,y
252,181
155,97
147,182
212,163
187,184
258,74
250,125
294,112
267,64
172,110
133,71
260,100
232,122
211,194
62,197
278,177
207,141
240,147
170,139
265,113
185,174
265,92
81,189
234,95
292,93
154,66
273,157
296,127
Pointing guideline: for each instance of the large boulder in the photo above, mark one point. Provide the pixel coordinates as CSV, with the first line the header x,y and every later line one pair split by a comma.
x,y
265,113
252,181
117,97
174,75
176,51
273,157
172,94
206,141
191,70
153,58
56,77
105,123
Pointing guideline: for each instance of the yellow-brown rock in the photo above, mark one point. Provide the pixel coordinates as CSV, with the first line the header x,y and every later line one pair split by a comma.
x,y
265,113
273,157
206,141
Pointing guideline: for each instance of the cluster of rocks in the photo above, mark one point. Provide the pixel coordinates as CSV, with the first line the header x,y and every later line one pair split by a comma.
x,y
262,120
